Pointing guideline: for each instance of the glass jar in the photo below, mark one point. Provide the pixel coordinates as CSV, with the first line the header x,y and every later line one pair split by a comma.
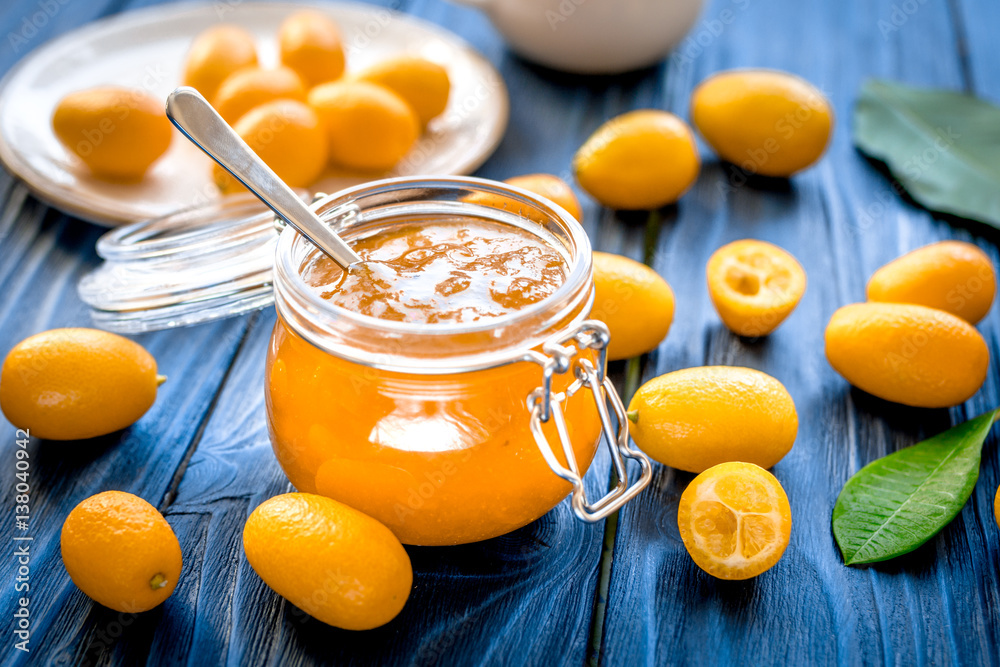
x,y
448,433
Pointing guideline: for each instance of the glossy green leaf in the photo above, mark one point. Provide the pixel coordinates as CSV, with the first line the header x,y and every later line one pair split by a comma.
x,y
942,146
896,503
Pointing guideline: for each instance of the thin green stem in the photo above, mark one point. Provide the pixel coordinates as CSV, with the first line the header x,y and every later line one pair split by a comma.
x,y
633,377
652,236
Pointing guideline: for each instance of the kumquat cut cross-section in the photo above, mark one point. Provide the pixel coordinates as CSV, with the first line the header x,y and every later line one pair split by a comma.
x,y
735,520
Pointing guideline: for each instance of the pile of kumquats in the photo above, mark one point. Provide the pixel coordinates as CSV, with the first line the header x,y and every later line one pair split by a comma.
x,y
301,117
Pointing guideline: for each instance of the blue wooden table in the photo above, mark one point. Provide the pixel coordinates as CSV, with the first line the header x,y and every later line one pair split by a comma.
x,y
621,592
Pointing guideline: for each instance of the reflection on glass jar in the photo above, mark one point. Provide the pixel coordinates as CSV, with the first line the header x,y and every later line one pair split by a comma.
x,y
440,459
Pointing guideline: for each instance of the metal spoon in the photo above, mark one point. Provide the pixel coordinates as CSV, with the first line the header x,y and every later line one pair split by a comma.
x,y
194,116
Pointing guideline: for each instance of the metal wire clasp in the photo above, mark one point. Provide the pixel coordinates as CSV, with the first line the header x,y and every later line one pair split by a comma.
x,y
559,355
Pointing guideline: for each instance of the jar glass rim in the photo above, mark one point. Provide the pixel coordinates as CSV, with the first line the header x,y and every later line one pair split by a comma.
x,y
343,208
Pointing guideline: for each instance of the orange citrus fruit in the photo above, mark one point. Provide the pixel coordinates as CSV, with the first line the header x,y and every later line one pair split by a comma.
x,y
121,552
918,356
548,186
765,121
250,87
735,520
215,54
695,418
634,301
117,132
552,188
640,160
69,384
329,560
368,127
754,286
424,84
996,506
953,276
309,43
288,137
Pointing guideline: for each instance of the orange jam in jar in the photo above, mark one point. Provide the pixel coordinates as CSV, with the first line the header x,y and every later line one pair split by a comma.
x,y
406,386
442,270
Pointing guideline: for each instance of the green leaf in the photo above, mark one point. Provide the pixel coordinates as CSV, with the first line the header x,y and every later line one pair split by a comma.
x,y
942,146
898,502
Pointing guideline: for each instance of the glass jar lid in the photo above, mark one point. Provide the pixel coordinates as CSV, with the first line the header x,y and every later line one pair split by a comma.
x,y
200,264
216,260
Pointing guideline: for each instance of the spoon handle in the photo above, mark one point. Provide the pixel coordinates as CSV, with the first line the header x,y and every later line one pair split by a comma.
x,y
194,116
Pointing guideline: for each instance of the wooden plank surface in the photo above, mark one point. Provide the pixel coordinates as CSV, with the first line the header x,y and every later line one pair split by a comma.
x,y
535,596
936,606
39,284
527,595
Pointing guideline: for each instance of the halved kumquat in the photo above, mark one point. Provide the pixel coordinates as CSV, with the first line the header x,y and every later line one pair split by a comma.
x,y
735,520
754,286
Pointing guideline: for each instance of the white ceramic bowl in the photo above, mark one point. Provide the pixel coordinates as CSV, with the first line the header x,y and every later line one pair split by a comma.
x,y
592,36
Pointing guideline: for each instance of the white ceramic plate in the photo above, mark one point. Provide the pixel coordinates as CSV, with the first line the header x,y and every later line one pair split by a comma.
x,y
145,49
